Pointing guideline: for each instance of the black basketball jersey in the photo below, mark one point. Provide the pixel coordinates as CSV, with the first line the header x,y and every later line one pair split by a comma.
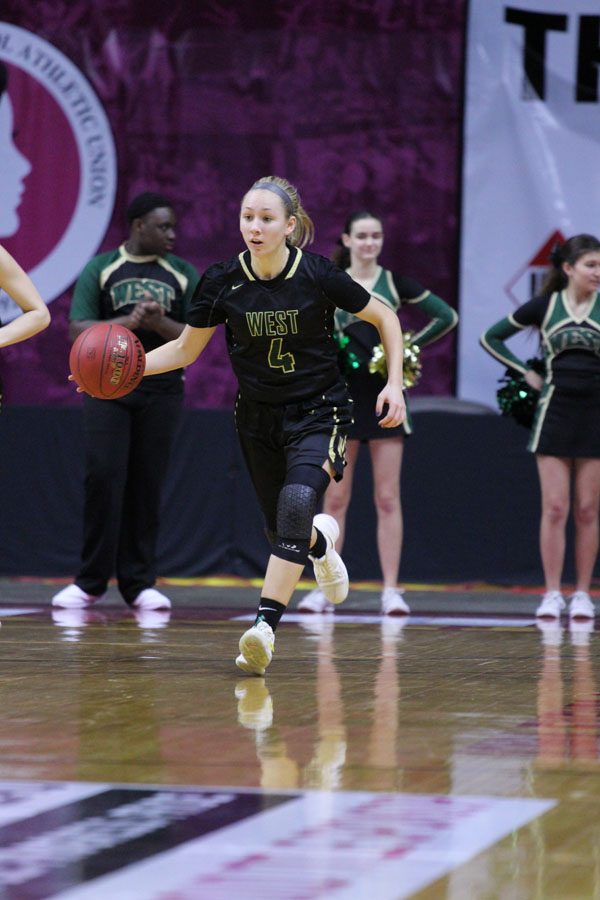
x,y
279,332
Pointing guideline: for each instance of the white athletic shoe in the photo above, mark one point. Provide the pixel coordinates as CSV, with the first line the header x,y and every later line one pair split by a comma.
x,y
393,603
330,571
581,606
551,606
256,649
150,598
315,602
72,597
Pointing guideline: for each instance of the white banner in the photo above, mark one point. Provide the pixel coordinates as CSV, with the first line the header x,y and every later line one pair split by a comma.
x,y
531,170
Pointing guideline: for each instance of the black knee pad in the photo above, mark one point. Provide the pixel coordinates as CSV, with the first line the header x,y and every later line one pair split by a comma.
x,y
296,509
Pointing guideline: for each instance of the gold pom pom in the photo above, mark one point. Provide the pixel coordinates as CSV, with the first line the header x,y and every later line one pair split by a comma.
x,y
411,367
377,363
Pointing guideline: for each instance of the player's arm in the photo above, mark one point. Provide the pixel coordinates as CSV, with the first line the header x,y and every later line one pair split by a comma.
x,y
182,351
19,286
386,322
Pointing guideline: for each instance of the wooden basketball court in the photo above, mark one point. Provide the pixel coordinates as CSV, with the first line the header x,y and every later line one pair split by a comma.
x,y
453,754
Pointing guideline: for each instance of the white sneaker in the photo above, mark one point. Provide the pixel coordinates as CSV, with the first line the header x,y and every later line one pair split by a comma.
x,y
581,606
256,649
72,597
393,603
551,606
315,602
330,571
150,598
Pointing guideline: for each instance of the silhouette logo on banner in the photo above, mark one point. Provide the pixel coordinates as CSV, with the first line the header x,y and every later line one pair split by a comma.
x,y
58,164
527,281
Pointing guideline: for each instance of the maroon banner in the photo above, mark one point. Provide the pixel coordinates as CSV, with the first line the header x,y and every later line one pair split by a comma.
x,y
356,103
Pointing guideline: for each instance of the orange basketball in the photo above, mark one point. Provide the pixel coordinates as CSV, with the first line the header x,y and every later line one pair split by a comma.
x,y
107,361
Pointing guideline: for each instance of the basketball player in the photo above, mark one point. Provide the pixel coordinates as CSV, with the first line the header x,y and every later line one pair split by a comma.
x,y
20,288
293,410
144,287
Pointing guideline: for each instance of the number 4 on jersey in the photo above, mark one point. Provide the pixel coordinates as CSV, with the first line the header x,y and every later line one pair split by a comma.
x,y
278,359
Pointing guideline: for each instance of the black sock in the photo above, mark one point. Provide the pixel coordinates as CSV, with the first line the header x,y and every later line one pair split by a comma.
x,y
270,611
319,548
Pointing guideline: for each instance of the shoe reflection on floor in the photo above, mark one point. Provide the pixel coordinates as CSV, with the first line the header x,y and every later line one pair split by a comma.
x,y
281,768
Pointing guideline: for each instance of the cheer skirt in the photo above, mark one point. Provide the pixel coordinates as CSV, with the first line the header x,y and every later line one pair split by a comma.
x,y
567,422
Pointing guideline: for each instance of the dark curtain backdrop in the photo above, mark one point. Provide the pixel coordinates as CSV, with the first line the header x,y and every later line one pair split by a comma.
x,y
356,102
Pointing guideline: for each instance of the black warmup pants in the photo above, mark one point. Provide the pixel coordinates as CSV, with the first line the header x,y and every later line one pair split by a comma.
x,y
127,447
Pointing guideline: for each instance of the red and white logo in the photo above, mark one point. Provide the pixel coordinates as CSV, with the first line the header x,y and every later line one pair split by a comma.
x,y
58,164
527,282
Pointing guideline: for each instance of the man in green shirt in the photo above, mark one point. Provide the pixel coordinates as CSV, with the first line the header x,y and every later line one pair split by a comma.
x,y
144,287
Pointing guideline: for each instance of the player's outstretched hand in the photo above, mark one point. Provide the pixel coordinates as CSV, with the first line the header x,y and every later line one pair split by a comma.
x,y
393,398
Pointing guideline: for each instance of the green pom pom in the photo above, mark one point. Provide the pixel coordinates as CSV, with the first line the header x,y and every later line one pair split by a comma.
x,y
516,398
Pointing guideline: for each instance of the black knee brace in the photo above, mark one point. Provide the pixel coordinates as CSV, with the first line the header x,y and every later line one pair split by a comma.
x,y
296,509
303,489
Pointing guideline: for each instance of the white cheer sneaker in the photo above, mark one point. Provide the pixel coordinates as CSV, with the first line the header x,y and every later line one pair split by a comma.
x,y
551,606
315,602
393,603
150,598
581,606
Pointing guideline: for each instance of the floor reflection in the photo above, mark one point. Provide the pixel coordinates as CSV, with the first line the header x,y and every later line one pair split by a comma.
x,y
567,729
280,767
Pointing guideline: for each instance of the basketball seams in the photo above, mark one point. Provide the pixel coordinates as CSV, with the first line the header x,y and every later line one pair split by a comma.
x,y
101,390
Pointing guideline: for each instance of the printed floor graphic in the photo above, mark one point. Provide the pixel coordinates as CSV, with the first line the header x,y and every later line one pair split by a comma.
x,y
93,841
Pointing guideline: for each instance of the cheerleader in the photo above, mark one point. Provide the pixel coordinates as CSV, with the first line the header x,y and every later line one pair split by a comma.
x,y
358,252
565,435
